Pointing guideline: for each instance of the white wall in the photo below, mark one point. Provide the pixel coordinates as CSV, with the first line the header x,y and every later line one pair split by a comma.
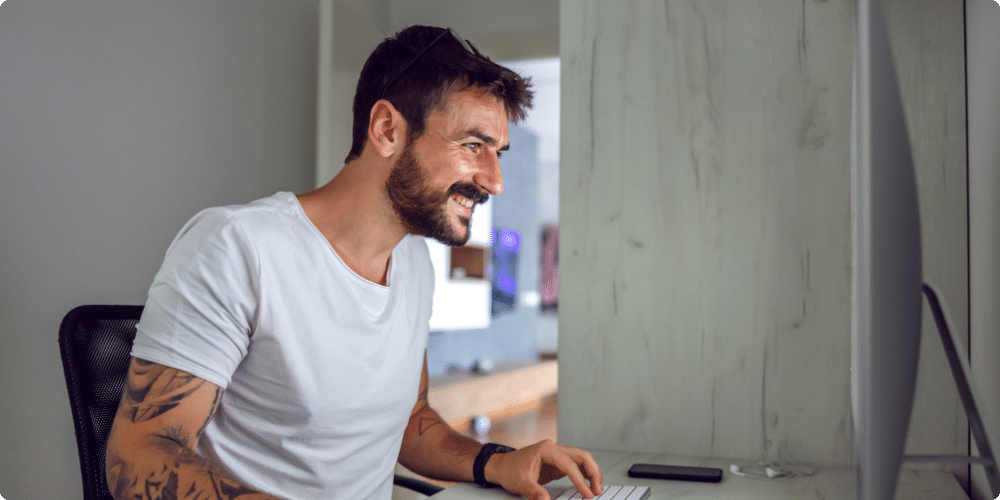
x,y
983,59
353,30
706,225
118,121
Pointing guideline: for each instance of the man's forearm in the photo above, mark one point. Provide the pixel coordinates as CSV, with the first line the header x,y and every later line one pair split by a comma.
x,y
165,470
433,449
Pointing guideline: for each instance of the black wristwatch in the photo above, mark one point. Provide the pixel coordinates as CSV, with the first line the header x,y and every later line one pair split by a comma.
x,y
480,464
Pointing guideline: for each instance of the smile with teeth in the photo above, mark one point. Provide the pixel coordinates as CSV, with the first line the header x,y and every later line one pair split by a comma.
x,y
463,201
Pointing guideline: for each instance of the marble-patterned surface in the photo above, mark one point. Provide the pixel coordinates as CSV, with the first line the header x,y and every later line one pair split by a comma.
x,y
706,211
706,224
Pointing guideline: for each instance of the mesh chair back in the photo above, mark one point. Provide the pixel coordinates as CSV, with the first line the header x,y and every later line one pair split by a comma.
x,y
95,343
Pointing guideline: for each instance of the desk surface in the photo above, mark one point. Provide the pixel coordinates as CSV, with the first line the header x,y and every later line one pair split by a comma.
x,y
828,483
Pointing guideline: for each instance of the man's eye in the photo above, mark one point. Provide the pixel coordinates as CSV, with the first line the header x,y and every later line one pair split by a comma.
x,y
473,146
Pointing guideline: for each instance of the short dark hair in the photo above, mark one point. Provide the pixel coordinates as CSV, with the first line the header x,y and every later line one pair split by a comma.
x,y
445,67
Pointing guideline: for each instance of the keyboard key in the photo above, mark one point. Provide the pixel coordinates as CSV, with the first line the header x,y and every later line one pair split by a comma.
x,y
609,493
639,494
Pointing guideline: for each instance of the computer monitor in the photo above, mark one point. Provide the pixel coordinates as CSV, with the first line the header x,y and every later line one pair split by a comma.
x,y
887,271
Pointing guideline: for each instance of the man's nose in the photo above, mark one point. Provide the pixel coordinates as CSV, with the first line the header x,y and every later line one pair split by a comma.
x,y
489,177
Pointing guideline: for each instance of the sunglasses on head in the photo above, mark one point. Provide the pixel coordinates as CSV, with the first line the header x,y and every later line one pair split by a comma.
x,y
463,42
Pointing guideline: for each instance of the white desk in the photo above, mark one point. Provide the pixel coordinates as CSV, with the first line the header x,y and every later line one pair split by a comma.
x,y
827,484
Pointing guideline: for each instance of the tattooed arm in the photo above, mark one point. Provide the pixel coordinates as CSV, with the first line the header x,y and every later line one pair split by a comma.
x,y
151,450
433,449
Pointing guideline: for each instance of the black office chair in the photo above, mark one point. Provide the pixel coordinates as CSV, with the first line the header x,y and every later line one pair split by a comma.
x,y
96,345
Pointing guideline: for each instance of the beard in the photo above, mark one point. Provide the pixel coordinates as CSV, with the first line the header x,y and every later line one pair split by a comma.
x,y
423,211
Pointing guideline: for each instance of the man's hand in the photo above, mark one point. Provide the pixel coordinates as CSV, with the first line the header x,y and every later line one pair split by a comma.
x,y
523,472
433,449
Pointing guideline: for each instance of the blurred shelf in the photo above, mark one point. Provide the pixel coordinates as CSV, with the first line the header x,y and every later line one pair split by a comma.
x,y
511,389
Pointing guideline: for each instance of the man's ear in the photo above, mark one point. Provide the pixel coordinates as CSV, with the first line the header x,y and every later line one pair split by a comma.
x,y
386,129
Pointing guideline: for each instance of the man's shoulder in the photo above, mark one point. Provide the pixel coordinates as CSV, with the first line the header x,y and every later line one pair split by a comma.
x,y
233,224
274,211
277,208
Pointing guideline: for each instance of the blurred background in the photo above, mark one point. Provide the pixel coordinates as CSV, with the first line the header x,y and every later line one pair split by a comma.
x,y
695,158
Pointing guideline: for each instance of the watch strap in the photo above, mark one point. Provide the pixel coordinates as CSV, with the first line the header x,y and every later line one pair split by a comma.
x,y
479,466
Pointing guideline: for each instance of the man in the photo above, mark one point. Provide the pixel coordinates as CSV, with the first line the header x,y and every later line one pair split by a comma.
x,y
282,350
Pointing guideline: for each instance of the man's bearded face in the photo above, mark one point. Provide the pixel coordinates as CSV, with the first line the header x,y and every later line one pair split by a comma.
x,y
423,211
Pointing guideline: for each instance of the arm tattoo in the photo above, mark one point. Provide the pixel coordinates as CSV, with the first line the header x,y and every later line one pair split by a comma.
x,y
182,466
168,468
426,423
229,490
215,405
176,433
152,390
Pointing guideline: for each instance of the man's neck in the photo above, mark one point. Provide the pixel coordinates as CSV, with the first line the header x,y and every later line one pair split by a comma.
x,y
354,214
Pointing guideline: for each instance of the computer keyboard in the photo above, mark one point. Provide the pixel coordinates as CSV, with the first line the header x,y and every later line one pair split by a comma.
x,y
610,493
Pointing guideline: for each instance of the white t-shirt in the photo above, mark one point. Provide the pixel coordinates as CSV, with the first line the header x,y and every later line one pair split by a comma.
x,y
321,367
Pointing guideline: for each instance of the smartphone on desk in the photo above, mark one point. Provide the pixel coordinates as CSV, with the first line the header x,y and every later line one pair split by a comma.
x,y
676,472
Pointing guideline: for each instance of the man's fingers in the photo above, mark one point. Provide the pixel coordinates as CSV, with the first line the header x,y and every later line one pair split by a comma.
x,y
592,471
582,470
538,493
550,473
572,469
535,465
